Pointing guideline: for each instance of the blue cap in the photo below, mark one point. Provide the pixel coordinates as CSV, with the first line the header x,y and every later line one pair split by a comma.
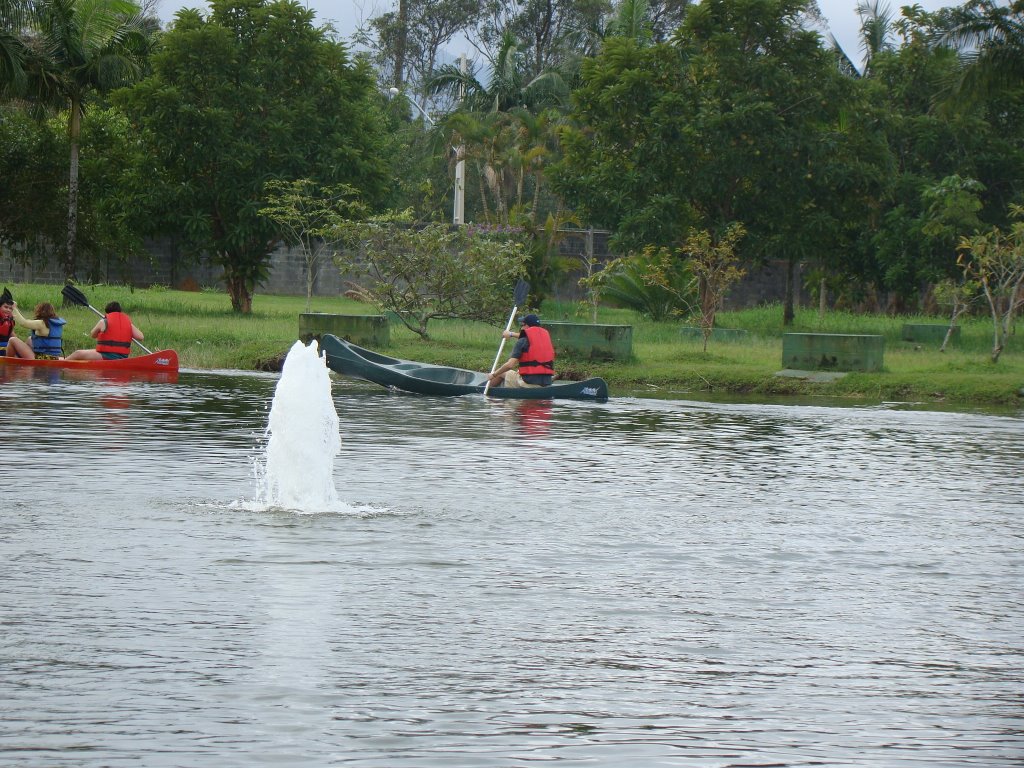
x,y
529,320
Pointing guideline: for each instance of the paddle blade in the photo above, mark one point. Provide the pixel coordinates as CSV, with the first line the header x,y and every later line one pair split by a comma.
x,y
522,290
6,298
74,295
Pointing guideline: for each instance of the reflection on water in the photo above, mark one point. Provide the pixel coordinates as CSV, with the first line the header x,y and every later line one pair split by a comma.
x,y
631,583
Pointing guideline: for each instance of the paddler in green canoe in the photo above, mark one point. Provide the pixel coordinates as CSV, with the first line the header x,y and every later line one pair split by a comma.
x,y
534,354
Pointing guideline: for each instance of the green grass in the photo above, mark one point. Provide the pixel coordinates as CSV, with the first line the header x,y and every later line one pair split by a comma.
x,y
207,334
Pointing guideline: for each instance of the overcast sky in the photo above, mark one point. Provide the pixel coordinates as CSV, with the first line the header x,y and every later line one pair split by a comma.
x,y
346,15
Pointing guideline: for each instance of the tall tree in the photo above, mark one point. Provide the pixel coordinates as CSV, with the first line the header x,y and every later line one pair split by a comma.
x,y
14,17
252,92
84,48
504,125
407,45
907,86
726,124
991,37
551,31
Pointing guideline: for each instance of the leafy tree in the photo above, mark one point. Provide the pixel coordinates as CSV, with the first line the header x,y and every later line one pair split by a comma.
x,y
651,283
958,296
81,48
666,16
33,169
308,215
904,247
552,33
34,175
713,262
265,94
877,27
434,271
995,259
505,129
728,123
512,82
406,43
14,17
991,36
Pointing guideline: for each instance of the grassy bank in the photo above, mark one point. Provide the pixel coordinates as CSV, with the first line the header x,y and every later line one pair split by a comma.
x,y
206,334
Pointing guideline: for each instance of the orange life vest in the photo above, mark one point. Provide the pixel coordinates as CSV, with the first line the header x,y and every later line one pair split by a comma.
x,y
117,338
540,357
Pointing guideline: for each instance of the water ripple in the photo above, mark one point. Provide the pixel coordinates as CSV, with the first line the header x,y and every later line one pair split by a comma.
x,y
641,582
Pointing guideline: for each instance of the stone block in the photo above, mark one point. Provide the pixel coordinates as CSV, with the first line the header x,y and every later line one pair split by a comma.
x,y
593,342
717,334
371,331
928,333
832,351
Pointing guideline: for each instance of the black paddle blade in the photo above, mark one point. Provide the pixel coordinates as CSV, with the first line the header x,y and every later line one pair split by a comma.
x,y
6,298
522,290
74,295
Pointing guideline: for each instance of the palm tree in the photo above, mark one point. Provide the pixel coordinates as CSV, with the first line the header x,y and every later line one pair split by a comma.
x,y
876,35
496,120
876,28
84,47
14,18
990,37
508,87
632,19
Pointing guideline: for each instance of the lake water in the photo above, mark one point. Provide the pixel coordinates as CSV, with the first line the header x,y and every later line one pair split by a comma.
x,y
635,583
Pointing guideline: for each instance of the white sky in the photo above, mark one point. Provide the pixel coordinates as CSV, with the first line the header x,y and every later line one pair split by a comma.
x,y
346,15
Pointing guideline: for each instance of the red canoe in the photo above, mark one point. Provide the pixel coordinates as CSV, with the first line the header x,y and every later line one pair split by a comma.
x,y
159,362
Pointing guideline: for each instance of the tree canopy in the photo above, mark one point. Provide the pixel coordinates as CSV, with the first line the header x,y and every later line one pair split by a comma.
x,y
251,92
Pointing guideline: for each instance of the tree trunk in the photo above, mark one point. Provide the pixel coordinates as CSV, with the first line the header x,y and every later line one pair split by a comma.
x,y
707,309
310,278
400,44
788,314
822,299
74,133
952,325
241,297
483,193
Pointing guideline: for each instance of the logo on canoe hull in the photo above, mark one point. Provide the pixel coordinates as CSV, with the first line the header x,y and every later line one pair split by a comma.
x,y
162,361
589,391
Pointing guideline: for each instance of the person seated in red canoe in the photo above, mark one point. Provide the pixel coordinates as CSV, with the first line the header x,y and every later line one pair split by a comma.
x,y
7,323
113,334
47,334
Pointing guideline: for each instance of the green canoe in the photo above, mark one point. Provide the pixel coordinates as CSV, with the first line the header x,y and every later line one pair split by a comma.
x,y
425,379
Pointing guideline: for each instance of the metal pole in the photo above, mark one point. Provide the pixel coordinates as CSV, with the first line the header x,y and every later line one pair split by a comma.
x,y
459,214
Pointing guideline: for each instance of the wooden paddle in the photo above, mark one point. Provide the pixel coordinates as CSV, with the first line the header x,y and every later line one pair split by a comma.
x,y
518,300
75,296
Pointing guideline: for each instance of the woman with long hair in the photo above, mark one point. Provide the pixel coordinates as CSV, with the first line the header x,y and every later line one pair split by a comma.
x,y
47,334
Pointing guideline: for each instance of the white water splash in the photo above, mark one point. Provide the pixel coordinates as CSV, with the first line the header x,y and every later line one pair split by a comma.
x,y
297,472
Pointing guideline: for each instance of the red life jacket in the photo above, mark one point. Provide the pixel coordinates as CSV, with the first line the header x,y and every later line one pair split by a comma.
x,y
540,357
117,338
6,329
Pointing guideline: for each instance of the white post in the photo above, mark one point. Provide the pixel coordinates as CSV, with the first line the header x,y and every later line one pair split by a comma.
x,y
459,215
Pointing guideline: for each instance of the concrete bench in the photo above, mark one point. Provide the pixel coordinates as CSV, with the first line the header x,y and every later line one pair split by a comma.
x,y
370,331
593,342
717,334
928,333
832,351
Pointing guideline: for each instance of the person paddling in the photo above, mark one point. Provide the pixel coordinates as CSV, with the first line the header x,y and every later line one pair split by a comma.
x,y
47,334
533,353
113,334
